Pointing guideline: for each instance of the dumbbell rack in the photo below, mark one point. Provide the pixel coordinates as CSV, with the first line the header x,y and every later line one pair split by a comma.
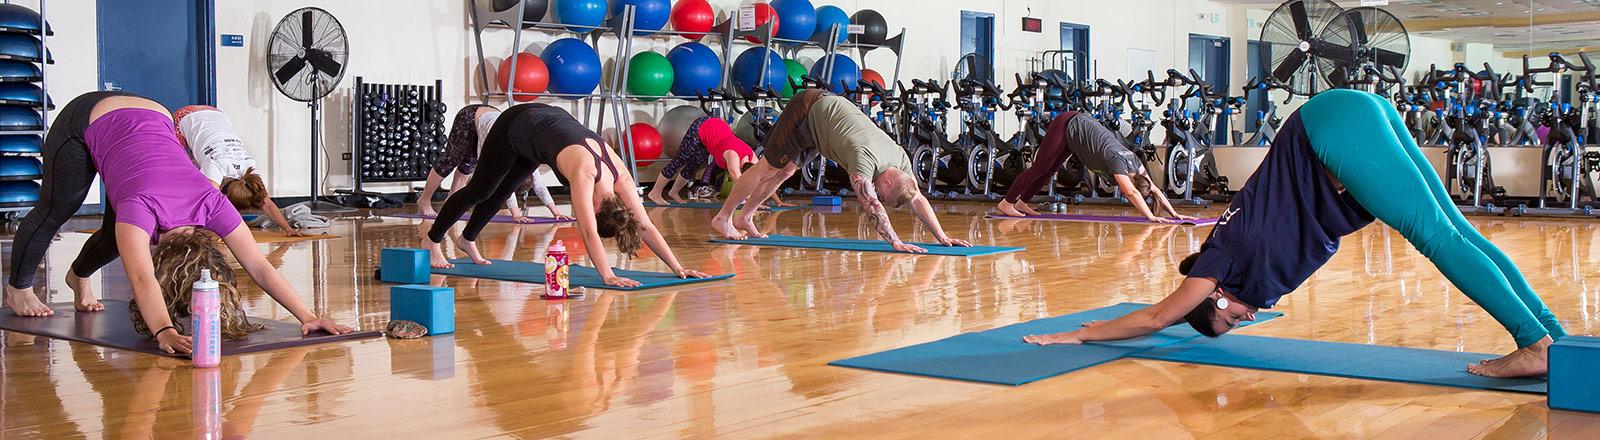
x,y
399,131
13,210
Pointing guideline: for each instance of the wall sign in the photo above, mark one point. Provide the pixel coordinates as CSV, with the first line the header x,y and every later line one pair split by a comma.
x,y
1030,24
231,40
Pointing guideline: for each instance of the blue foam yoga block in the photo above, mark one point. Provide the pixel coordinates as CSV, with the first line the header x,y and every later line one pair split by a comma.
x,y
1574,381
402,265
433,307
827,200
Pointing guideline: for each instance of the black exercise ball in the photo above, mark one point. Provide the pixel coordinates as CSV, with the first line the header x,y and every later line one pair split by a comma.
x,y
532,10
876,30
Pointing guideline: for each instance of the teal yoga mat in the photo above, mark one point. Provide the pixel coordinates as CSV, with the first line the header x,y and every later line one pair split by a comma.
x,y
705,205
999,356
577,276
845,244
1375,362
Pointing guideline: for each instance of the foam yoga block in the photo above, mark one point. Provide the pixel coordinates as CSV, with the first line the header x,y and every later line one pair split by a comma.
x,y
402,265
433,307
1574,380
827,201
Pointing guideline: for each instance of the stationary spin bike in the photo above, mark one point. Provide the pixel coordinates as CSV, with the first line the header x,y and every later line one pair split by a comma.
x,y
1267,119
979,101
936,161
1191,168
1566,165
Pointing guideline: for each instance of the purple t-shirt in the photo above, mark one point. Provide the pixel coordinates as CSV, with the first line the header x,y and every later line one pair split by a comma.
x,y
150,181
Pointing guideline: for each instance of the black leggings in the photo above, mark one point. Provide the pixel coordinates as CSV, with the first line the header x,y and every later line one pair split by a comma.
x,y
524,137
68,174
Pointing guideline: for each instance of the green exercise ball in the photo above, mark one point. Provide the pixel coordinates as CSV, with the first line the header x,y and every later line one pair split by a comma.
x,y
649,74
796,70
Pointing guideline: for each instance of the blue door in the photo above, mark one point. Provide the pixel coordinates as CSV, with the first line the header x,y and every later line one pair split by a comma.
x,y
1209,55
161,49
977,37
1075,40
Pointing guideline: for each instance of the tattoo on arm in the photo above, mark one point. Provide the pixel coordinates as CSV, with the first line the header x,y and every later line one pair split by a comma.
x,y
876,214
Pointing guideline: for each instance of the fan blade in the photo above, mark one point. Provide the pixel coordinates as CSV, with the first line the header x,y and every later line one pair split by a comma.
x,y
1358,29
1302,24
1334,51
1385,57
306,39
289,69
1290,65
323,61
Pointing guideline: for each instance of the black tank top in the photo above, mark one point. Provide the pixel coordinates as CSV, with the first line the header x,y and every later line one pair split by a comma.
x,y
541,132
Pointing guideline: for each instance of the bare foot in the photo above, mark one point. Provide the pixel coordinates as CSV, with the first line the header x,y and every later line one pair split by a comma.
x,y
655,198
1533,360
1023,206
723,226
471,249
427,208
436,256
1006,209
748,225
24,303
83,297
676,198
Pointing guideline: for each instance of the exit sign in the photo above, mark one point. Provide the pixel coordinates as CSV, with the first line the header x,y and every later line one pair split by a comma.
x,y
1030,24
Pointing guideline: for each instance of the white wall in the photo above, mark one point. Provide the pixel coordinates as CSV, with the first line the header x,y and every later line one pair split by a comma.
x,y
417,41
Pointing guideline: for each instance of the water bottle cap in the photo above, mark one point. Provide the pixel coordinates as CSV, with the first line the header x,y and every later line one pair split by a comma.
x,y
558,246
205,281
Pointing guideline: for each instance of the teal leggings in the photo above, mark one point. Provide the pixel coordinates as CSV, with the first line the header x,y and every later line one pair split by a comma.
x,y
1363,142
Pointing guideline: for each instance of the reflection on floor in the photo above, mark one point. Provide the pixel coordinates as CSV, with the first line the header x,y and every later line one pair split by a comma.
x,y
745,358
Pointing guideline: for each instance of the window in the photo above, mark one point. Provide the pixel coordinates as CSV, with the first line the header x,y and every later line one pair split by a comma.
x,y
1075,41
977,38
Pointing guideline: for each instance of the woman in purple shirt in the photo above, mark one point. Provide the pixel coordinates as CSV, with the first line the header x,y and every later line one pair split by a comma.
x,y
153,191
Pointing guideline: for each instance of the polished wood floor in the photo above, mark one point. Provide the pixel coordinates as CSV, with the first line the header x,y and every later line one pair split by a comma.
x,y
745,358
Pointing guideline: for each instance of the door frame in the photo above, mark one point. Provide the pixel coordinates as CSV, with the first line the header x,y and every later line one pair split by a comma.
x,y
205,42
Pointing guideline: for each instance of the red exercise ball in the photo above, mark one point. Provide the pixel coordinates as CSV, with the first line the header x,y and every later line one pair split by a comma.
x,y
532,76
872,76
695,17
646,142
764,14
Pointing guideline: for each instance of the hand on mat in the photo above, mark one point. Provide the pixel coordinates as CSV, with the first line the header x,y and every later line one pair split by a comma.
x,y
561,216
783,204
1161,220
955,242
908,247
174,342
523,219
326,325
691,273
616,281
294,233
1053,339
1184,217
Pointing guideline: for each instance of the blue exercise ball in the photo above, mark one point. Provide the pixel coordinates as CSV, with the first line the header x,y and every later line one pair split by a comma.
x,y
828,17
649,16
21,143
797,19
585,14
574,66
749,67
695,68
845,73
20,168
22,192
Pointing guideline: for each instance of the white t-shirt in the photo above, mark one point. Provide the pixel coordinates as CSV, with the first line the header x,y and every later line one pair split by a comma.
x,y
217,148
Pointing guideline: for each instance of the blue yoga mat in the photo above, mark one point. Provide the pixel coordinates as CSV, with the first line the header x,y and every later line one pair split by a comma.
x,y
577,276
845,244
999,356
1376,362
705,205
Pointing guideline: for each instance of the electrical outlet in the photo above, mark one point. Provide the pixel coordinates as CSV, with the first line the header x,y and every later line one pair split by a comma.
x,y
347,156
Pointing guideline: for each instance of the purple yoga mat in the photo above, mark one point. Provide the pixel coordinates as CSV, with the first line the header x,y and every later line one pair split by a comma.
x,y
497,219
113,328
1101,219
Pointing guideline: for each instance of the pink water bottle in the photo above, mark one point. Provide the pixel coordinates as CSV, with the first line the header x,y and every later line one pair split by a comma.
x,y
205,314
555,271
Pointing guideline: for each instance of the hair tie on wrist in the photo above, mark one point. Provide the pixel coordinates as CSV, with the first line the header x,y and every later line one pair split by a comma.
x,y
157,334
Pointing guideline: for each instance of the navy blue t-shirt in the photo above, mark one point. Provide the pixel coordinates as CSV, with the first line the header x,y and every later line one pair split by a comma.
x,y
1282,226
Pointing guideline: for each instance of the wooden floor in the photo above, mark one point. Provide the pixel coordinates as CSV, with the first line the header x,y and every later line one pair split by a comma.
x,y
745,358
